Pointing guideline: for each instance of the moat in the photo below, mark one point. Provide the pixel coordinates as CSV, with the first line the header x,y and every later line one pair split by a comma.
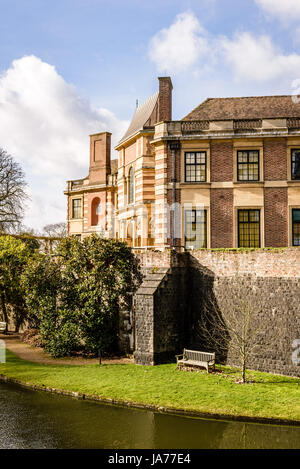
x,y
31,419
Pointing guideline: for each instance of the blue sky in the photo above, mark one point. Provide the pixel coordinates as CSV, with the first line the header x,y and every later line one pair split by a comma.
x,y
72,67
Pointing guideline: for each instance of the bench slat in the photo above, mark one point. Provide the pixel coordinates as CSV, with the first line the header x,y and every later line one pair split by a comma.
x,y
197,358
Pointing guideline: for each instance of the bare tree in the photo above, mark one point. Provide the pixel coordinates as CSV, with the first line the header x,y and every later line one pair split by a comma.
x,y
56,230
236,327
12,192
26,230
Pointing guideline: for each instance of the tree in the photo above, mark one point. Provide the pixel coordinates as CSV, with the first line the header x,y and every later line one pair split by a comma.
x,y
98,280
75,295
12,192
49,309
237,326
14,255
56,230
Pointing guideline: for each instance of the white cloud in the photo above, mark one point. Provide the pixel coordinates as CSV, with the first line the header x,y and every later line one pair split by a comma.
x,y
185,44
45,125
176,48
256,59
283,9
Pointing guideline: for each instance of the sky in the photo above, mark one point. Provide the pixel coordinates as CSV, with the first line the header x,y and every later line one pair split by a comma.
x,y
69,68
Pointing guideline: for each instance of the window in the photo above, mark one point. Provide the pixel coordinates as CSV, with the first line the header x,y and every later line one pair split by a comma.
x,y
248,165
95,211
195,229
249,228
76,208
296,226
195,166
295,164
131,186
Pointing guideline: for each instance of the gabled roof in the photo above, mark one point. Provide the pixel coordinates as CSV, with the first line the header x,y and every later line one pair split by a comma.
x,y
255,107
141,117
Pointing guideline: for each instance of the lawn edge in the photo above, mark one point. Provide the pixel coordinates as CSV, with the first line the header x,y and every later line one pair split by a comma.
x,y
156,408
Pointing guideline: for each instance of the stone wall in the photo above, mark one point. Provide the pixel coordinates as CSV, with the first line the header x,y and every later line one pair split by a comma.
x,y
267,282
169,316
160,302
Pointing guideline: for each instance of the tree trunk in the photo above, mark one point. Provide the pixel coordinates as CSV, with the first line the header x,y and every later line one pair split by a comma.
x,y
244,372
4,311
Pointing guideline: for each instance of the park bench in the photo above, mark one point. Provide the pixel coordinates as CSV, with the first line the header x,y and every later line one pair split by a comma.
x,y
2,326
196,358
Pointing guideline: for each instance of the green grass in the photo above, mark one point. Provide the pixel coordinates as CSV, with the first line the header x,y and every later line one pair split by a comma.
x,y
270,396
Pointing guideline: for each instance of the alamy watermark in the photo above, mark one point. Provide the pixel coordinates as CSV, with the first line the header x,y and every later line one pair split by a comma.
x,y
296,91
2,351
296,352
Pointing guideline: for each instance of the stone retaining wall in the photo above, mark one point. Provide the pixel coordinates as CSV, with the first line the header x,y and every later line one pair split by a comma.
x,y
167,318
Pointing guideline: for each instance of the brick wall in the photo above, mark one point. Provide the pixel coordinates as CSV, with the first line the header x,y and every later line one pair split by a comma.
x,y
100,146
165,99
276,216
221,222
221,161
275,159
283,263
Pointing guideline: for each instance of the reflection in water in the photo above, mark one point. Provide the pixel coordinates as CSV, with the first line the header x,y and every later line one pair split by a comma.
x,y
31,419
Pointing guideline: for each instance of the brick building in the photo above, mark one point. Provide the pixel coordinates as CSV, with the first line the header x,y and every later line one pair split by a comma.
x,y
226,175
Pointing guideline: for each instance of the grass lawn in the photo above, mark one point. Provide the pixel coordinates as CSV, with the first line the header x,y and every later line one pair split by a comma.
x,y
270,396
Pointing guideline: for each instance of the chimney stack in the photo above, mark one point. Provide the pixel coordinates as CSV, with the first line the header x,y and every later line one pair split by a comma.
x,y
165,99
100,157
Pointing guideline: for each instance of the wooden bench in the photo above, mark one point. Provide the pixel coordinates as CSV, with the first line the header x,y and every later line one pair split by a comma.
x,y
2,326
196,358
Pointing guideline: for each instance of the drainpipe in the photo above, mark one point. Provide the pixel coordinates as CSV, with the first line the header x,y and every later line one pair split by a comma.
x,y
174,146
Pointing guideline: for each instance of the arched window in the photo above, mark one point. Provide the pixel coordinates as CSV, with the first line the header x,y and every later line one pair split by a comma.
x,y
95,211
131,186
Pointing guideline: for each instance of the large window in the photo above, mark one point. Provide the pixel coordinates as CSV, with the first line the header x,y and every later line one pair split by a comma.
x,y
95,211
296,164
248,165
195,166
76,208
131,186
195,229
249,228
296,226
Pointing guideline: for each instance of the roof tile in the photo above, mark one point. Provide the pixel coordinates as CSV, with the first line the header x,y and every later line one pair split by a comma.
x,y
141,116
256,107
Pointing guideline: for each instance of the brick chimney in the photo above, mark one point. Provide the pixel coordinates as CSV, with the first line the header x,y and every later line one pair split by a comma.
x,y
165,99
99,157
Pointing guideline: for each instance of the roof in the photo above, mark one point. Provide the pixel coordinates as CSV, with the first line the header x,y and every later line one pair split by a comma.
x,y
255,107
141,116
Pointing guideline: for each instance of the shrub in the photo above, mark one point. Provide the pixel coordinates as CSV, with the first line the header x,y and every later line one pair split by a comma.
x,y
14,255
75,296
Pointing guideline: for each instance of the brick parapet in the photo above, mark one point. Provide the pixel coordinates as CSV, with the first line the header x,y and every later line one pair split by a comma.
x,y
258,263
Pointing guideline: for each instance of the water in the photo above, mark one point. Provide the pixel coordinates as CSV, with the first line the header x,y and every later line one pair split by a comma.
x,y
31,419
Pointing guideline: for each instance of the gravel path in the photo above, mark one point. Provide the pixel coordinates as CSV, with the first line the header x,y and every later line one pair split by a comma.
x,y
37,354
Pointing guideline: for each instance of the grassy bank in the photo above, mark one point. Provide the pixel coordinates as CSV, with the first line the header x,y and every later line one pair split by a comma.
x,y
270,396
